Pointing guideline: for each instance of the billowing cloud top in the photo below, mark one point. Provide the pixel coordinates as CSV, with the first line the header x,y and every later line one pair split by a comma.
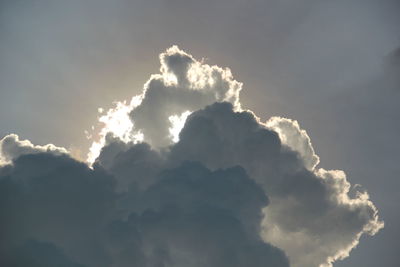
x,y
181,176
11,148
184,85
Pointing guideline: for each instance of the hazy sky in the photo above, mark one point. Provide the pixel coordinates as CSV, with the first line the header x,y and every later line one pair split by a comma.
x,y
331,65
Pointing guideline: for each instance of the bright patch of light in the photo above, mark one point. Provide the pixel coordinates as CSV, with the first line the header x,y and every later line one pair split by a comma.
x,y
177,123
138,137
170,79
201,75
117,122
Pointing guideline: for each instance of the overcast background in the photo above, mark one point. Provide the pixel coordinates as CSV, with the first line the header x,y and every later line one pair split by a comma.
x,y
332,65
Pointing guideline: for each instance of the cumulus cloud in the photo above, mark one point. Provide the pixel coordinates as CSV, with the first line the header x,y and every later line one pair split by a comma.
x,y
183,85
181,176
12,147
310,215
54,199
297,139
189,216
195,217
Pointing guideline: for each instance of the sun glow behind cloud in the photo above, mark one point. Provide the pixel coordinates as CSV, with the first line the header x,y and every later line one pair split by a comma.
x,y
158,115
177,123
117,123
184,84
267,175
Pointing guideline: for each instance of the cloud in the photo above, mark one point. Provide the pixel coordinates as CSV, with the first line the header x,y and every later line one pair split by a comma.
x,y
55,199
39,254
183,86
182,176
310,216
11,147
189,216
195,217
131,163
297,139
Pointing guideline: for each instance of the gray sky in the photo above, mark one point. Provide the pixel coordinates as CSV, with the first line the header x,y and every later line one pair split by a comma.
x,y
327,64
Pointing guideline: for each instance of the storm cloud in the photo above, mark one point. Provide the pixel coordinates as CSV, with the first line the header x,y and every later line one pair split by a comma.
x,y
182,175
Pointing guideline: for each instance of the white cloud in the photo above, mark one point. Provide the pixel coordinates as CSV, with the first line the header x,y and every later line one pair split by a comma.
x,y
12,147
296,138
183,84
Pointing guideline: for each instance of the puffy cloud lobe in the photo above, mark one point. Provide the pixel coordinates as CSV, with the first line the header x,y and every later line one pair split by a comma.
x,y
195,217
11,147
192,185
183,85
320,218
297,139
131,164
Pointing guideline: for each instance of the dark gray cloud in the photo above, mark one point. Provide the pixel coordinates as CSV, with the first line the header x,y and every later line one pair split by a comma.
x,y
131,164
195,217
304,203
310,215
57,200
252,195
57,211
38,254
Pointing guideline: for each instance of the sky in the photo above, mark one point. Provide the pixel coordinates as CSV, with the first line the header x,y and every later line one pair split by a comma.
x,y
331,66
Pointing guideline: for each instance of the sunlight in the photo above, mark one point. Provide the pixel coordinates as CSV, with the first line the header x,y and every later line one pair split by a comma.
x,y
177,123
